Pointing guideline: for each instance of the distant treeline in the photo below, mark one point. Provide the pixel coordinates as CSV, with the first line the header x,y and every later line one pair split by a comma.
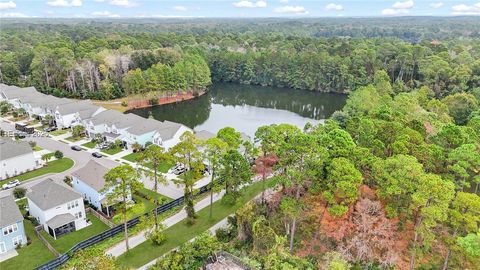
x,y
107,59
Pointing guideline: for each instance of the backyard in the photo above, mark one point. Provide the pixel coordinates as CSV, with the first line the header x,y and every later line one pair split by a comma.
x,y
55,166
182,232
64,243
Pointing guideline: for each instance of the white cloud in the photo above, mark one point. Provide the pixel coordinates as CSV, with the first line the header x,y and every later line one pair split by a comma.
x,y
334,7
466,10
394,12
13,15
291,10
283,1
104,14
123,3
250,4
7,5
404,5
179,8
399,8
65,3
436,5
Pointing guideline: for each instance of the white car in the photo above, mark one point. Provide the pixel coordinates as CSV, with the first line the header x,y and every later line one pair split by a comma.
x,y
11,184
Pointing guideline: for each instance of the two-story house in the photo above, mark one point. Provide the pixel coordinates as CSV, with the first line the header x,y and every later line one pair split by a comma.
x,y
58,208
169,133
68,115
89,182
12,232
16,158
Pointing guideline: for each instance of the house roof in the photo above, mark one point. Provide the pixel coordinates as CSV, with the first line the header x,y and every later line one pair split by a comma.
x,y
145,126
168,130
60,220
10,148
89,111
74,106
9,213
204,135
48,194
92,174
129,120
106,117
12,91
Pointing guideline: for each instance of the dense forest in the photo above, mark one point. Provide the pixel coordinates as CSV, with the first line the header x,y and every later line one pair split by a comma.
x,y
390,182
109,59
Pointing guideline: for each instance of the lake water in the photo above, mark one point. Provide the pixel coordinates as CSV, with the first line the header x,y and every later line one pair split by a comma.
x,y
246,107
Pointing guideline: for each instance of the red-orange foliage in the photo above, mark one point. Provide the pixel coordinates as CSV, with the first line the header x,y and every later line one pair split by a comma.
x,y
265,163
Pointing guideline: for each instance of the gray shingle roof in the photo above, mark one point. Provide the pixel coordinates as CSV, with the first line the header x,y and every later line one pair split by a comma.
x,y
204,135
92,174
144,126
10,148
106,117
168,129
12,91
48,194
9,213
60,220
74,106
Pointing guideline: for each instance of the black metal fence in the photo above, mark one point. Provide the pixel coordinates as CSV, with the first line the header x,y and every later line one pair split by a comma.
x,y
112,232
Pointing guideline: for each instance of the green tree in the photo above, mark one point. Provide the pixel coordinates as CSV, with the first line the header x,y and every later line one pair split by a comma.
x,y
460,106
230,136
214,149
235,171
155,155
122,181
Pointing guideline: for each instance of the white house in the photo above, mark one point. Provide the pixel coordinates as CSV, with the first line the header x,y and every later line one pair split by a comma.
x,y
12,232
169,134
16,158
57,208
89,182
70,114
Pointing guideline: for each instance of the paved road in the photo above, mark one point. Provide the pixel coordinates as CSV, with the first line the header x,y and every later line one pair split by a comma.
x,y
81,158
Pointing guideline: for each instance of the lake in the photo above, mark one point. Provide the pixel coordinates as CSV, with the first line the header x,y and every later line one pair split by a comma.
x,y
247,107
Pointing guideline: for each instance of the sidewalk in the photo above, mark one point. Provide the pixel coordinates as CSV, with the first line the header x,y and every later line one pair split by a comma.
x,y
139,238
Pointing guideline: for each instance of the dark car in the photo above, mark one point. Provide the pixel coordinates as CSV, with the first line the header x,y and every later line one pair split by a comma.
x,y
50,129
76,148
97,155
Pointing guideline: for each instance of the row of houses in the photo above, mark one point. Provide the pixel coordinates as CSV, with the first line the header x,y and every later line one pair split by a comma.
x,y
109,125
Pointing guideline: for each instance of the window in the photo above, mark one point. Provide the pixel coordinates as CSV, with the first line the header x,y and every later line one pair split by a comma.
x,y
10,229
17,240
71,205
76,203
78,215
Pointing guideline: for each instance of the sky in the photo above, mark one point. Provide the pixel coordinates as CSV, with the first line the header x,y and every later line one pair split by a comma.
x,y
235,8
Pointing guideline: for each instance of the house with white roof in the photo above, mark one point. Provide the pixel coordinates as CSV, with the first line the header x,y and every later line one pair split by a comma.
x,y
89,182
16,157
12,232
58,208
72,113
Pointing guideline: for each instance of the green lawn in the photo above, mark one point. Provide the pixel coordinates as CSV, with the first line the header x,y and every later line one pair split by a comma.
x,y
30,256
55,166
37,148
90,144
181,232
74,138
163,167
65,242
113,151
152,194
58,132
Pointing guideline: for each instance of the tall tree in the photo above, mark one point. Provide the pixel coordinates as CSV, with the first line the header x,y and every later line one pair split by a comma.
x,y
121,182
215,148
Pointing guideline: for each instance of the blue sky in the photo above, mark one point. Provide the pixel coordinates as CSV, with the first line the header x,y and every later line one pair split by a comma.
x,y
236,8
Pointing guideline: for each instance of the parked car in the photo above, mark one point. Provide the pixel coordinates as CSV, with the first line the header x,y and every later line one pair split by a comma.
x,y
11,184
179,170
76,148
50,129
177,167
97,154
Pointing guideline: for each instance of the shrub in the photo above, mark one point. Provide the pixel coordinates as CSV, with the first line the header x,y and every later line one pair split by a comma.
x,y
158,237
153,101
124,103
19,192
58,154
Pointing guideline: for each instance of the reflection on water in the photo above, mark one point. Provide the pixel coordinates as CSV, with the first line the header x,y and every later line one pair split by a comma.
x,y
247,107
